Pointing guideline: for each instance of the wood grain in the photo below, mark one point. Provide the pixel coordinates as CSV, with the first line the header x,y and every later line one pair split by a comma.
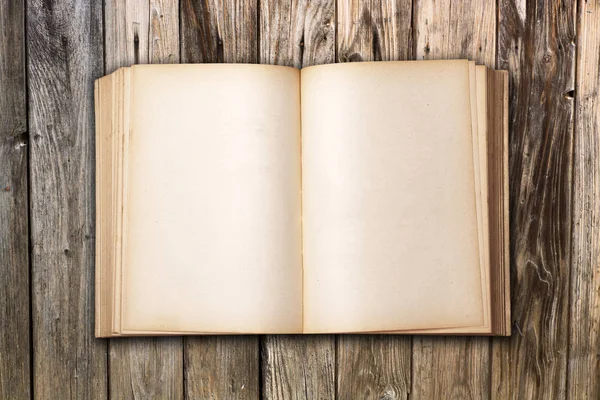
x,y
65,55
164,32
143,32
453,367
536,44
584,341
374,30
146,368
14,226
554,186
373,367
446,29
220,367
297,33
450,368
219,31
298,367
126,33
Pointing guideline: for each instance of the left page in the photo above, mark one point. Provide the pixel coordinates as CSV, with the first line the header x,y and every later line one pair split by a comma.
x,y
213,238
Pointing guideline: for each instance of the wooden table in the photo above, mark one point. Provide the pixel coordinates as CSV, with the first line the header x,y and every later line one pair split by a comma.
x,y
52,50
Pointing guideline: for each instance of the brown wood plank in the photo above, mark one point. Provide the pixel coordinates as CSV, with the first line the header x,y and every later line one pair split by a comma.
x,y
372,366
297,33
164,32
143,32
298,367
126,33
453,367
220,367
146,368
65,55
374,30
219,31
14,226
450,367
536,44
447,29
584,340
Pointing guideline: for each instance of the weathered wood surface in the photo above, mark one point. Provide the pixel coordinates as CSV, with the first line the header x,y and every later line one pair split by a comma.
x,y
453,367
298,367
217,31
555,198
146,368
536,44
65,55
14,230
220,367
374,30
297,33
584,337
142,32
448,29
373,367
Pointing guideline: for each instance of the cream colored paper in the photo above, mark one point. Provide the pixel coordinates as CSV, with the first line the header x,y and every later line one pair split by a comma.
x,y
389,210
214,228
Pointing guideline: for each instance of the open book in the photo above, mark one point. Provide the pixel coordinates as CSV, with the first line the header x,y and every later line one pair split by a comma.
x,y
359,197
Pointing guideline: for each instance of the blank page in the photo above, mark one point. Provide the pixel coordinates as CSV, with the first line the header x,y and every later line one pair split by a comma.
x,y
214,225
390,223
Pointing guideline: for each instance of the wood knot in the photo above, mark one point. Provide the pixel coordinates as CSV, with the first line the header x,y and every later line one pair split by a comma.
x,y
547,58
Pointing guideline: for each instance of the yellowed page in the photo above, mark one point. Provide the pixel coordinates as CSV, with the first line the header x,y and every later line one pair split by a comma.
x,y
389,209
482,116
213,239
481,161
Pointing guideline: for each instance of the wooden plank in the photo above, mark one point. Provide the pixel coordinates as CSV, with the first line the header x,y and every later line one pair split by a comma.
x,y
584,339
374,30
14,226
219,31
536,44
146,368
297,33
143,32
164,32
453,367
126,33
446,29
450,367
65,55
220,367
298,367
373,366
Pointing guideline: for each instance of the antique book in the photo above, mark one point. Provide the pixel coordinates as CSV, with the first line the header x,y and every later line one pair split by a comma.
x,y
344,198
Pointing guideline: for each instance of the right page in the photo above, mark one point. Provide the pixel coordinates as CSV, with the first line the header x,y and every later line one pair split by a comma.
x,y
390,226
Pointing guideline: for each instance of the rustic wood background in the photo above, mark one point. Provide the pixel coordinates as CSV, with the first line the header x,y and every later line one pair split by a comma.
x,y
52,50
